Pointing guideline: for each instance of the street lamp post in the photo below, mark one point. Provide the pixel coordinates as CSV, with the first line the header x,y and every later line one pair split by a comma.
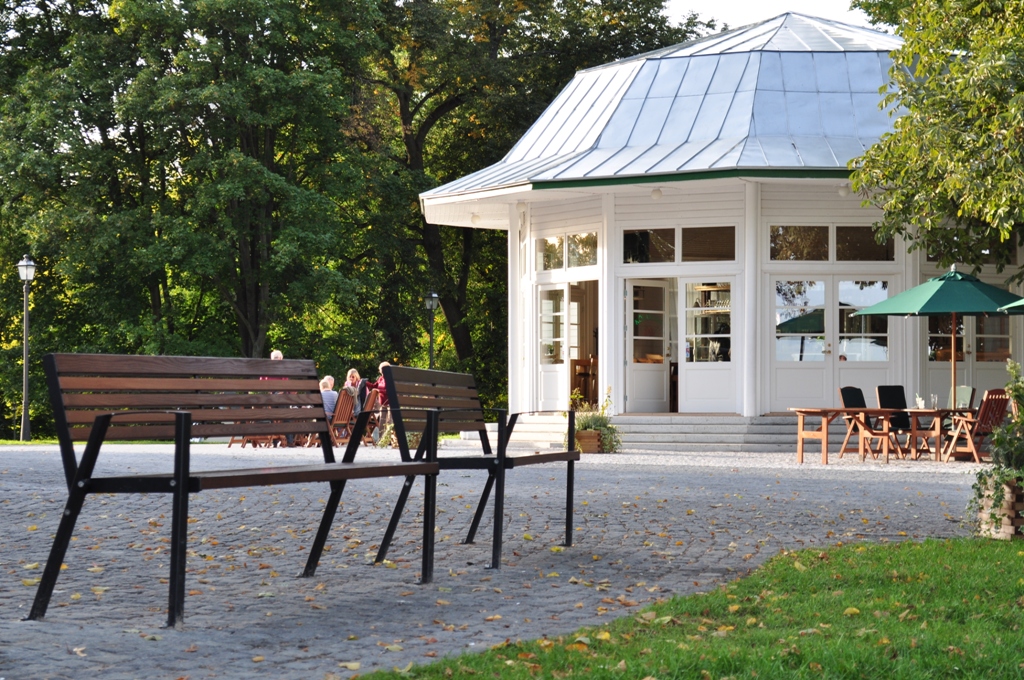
x,y
26,271
431,302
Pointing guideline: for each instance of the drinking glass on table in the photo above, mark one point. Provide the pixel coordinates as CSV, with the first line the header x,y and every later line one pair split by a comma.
x,y
935,401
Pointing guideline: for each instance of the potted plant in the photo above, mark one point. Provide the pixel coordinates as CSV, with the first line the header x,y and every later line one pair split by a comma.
x,y
594,430
999,490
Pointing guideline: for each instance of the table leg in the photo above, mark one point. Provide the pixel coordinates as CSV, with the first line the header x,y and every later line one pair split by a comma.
x,y
824,439
800,438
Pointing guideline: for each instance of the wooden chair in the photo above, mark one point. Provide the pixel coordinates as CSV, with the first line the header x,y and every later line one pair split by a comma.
x,y
969,430
894,397
964,394
341,421
853,397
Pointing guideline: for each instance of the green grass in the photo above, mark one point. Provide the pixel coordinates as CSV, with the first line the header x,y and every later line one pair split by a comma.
x,y
938,609
18,442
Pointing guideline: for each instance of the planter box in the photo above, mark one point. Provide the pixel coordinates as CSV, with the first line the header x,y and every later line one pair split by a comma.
x,y
1010,524
588,441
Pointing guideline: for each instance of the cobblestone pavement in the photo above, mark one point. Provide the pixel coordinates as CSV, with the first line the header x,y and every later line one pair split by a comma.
x,y
647,525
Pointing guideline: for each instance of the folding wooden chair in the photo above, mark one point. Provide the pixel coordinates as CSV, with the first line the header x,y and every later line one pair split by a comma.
x,y
853,397
894,397
341,421
973,429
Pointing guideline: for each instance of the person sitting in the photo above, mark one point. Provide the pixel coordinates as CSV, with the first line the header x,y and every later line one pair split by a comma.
x,y
380,386
382,395
329,396
351,386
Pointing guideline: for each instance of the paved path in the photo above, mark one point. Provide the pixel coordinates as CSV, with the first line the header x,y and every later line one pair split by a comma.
x,y
647,525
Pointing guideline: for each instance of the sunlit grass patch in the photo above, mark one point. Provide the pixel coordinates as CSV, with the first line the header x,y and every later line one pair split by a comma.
x,y
910,610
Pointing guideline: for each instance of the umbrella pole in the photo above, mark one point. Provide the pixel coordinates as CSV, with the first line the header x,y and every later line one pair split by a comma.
x,y
953,356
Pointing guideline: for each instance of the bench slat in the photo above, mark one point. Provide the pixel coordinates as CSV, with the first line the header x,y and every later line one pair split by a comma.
x,y
153,366
95,383
182,401
136,432
241,415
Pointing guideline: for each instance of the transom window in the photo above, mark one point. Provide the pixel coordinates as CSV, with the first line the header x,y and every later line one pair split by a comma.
x,y
579,250
693,244
789,243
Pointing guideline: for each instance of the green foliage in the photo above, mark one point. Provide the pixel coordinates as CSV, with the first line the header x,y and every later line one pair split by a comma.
x,y
1007,454
223,177
949,176
591,417
905,610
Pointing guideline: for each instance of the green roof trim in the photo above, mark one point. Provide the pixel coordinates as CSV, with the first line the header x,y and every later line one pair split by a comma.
x,y
795,173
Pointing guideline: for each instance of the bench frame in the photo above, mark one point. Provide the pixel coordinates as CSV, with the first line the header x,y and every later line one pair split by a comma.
x,y
454,397
121,398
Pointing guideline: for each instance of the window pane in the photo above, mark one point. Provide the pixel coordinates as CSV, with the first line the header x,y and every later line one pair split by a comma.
x,y
862,338
648,245
705,244
799,243
552,320
583,249
649,297
939,329
708,322
858,244
549,253
799,320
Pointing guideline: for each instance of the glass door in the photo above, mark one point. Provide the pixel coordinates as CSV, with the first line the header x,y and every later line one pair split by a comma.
x,y
820,346
553,379
706,376
982,348
647,370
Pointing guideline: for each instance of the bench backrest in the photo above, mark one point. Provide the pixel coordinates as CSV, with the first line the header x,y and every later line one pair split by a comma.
x,y
413,391
226,396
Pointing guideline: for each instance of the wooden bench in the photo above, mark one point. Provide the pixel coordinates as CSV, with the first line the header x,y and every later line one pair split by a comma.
x,y
98,398
454,397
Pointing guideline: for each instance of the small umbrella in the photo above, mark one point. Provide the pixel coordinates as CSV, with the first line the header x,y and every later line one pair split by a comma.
x,y
952,293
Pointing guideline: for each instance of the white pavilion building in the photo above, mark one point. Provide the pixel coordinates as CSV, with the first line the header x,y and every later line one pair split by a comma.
x,y
682,233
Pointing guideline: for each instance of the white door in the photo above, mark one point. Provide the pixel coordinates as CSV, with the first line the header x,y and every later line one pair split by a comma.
x,y
819,346
982,348
553,382
707,379
647,368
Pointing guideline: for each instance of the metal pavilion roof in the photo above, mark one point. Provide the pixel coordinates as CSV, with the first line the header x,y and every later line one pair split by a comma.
x,y
791,93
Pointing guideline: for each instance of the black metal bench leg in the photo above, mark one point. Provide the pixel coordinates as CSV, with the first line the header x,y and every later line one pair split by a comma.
x,y
57,551
396,515
481,506
499,515
179,523
429,518
569,484
317,549
429,501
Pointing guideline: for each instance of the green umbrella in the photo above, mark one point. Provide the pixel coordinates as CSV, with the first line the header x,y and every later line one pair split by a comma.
x,y
952,293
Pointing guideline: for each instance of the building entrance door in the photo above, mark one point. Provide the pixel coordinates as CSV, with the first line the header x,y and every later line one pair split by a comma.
x,y
982,348
819,346
647,338
553,381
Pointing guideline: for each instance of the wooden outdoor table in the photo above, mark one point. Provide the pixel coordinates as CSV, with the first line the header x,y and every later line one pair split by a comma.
x,y
862,416
934,418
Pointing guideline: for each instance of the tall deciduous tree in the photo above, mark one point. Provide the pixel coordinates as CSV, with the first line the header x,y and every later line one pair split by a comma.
x,y
951,174
180,158
454,83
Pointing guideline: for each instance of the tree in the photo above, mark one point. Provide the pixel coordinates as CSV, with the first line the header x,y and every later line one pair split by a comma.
x,y
450,88
179,160
950,175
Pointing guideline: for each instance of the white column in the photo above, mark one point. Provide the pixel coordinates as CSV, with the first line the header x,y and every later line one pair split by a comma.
x,y
609,346
751,274
515,321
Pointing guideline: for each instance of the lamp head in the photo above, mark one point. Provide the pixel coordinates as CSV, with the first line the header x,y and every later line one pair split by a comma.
x,y
431,301
26,269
